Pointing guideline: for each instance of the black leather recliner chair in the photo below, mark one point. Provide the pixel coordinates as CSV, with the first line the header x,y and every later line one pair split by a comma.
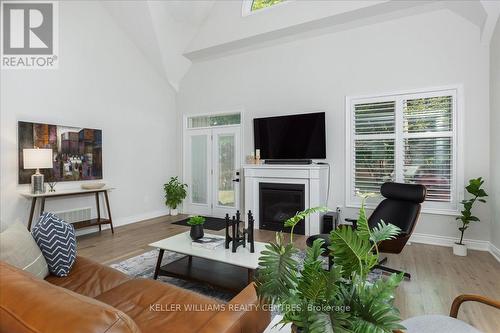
x,y
401,207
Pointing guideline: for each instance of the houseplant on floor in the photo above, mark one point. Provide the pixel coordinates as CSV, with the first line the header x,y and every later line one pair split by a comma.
x,y
196,223
466,217
175,192
340,300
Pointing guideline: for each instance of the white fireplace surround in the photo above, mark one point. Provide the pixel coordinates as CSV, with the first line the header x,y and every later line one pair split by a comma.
x,y
313,176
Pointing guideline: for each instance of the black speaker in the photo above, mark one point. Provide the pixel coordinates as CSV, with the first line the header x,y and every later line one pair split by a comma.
x,y
330,222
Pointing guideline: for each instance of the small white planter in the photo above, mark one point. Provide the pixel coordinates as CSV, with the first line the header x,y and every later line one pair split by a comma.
x,y
460,250
174,212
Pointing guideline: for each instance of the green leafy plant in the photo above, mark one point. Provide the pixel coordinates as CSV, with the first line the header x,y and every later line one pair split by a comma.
x,y
196,220
175,192
474,188
294,220
341,299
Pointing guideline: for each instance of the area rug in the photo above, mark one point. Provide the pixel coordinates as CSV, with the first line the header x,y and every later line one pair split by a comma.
x,y
143,266
211,223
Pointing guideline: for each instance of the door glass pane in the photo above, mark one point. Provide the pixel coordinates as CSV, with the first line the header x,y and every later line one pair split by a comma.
x,y
199,168
225,189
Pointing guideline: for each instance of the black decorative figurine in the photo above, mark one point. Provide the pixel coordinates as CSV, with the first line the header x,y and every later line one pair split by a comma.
x,y
239,237
250,231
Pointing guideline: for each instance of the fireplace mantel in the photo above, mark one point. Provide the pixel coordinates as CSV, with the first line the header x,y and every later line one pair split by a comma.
x,y
314,177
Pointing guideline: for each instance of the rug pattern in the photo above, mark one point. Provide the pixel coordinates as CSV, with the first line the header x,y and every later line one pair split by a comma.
x,y
143,266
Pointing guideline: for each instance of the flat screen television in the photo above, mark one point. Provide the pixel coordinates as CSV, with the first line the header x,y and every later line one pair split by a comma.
x,y
294,137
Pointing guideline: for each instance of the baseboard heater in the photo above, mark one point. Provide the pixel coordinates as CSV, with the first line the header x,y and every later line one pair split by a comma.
x,y
289,161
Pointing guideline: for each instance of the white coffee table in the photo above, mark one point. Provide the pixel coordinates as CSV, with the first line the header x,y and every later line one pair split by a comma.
x,y
220,267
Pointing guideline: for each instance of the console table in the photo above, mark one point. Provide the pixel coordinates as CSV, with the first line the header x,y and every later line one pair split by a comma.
x,y
99,221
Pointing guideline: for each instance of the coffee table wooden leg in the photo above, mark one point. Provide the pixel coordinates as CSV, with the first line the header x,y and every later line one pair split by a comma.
x,y
190,259
250,275
158,263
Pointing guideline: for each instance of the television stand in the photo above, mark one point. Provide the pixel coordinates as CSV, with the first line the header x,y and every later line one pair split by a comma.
x,y
289,161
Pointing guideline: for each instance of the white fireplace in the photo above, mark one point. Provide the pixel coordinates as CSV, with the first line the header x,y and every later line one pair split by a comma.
x,y
313,179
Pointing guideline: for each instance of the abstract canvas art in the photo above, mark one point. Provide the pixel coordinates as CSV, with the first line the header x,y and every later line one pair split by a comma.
x,y
77,152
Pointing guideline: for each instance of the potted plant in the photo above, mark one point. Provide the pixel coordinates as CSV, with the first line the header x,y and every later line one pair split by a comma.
x,y
196,223
339,300
175,192
466,217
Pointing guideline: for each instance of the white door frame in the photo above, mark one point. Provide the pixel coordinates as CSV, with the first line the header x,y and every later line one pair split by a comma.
x,y
186,150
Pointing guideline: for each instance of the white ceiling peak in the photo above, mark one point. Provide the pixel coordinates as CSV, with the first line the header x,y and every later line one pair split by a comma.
x,y
492,8
134,19
161,30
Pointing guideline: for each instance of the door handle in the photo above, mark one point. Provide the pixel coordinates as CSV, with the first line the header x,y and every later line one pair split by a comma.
x,y
237,180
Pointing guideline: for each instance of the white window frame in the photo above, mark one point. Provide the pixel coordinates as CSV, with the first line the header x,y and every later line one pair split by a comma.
x,y
457,185
187,117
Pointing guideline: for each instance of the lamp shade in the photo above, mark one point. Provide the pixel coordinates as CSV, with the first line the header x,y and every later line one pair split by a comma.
x,y
37,158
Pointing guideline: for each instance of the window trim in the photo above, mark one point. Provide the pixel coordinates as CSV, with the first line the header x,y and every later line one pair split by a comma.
x,y
214,114
246,7
457,190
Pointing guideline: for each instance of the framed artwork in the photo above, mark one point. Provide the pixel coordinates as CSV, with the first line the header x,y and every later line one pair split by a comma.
x,y
77,152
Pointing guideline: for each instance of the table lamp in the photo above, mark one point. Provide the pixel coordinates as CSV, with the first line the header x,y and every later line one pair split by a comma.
x,y
37,159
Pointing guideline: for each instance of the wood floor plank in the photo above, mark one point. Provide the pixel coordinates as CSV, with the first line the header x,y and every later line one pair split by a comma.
x,y
437,275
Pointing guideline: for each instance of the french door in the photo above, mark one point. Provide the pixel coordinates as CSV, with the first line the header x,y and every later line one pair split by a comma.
x,y
212,162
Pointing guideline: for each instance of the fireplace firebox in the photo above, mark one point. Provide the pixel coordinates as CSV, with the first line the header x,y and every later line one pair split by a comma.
x,y
277,203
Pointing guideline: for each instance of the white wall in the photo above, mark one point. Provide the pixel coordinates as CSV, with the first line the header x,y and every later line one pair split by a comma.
x,y
103,81
495,137
433,49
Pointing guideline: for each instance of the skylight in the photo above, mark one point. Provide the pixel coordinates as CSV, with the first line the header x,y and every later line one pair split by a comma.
x,y
256,6
259,4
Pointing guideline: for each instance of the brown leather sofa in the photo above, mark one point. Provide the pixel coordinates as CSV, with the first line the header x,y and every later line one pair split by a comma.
x,y
97,298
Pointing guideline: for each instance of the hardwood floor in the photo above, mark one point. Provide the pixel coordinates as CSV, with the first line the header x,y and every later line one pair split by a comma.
x,y
437,275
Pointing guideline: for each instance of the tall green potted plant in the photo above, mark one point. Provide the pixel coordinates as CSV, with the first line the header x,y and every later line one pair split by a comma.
x,y
339,300
466,217
175,193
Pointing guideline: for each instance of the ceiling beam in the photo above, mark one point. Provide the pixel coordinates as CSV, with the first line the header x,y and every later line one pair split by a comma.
x,y
473,11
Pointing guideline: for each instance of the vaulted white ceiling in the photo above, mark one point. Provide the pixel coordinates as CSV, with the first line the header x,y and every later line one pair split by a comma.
x,y
161,30
172,34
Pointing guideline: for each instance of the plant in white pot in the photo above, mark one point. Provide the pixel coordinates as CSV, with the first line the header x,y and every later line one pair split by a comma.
x,y
175,193
466,217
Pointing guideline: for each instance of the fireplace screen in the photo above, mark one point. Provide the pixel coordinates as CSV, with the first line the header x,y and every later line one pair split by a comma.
x,y
277,203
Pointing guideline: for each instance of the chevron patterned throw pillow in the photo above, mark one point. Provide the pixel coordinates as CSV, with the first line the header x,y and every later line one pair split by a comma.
x,y
56,239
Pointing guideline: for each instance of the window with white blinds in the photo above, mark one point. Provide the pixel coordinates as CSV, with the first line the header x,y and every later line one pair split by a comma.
x,y
408,138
